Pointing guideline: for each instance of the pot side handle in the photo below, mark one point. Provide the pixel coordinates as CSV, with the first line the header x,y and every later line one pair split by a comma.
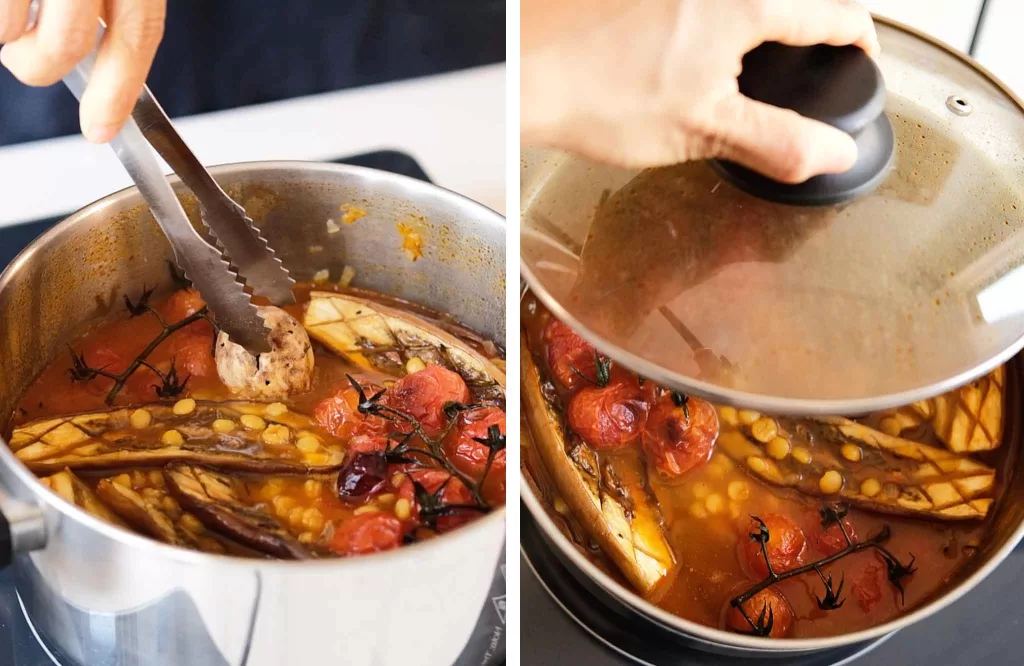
x,y
22,528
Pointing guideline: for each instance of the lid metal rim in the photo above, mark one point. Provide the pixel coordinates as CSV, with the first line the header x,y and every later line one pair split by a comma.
x,y
801,406
955,53
759,401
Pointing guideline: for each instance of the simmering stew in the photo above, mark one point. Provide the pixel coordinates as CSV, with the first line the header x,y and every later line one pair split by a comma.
x,y
778,527
371,423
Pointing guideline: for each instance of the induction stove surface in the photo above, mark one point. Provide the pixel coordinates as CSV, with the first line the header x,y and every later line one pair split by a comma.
x,y
19,644
565,624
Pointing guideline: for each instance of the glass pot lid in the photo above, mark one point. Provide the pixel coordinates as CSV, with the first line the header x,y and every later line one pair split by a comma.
x,y
907,287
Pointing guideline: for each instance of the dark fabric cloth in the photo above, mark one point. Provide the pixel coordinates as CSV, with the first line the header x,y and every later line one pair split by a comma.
x,y
220,54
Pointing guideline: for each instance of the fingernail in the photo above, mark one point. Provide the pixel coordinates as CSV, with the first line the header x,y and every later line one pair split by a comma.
x,y
100,133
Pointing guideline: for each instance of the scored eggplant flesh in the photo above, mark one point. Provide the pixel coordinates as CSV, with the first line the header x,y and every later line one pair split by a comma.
x,y
878,472
377,337
152,511
109,440
608,495
966,420
222,504
441,320
72,489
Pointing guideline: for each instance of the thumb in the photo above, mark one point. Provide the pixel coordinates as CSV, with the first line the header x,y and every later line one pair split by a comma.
x,y
780,143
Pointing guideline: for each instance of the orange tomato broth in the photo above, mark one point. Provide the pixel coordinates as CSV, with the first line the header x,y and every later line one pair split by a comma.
x,y
113,344
708,529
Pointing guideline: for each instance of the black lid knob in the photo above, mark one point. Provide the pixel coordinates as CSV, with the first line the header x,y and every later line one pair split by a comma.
x,y
838,85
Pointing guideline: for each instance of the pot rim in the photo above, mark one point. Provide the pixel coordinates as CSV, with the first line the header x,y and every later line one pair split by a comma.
x,y
151,546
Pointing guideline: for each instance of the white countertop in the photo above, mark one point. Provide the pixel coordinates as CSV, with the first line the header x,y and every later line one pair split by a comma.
x,y
452,124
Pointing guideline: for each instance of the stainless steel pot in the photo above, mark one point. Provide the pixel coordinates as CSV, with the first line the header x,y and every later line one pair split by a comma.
x,y
1007,530
558,198
103,596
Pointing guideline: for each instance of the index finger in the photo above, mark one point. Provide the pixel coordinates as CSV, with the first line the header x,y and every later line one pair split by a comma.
x,y
809,22
134,31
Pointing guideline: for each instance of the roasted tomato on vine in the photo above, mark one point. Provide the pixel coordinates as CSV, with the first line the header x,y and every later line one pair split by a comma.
x,y
185,303
453,493
867,586
339,413
569,355
424,394
192,354
363,476
830,541
768,609
367,533
113,353
680,433
464,447
785,544
608,417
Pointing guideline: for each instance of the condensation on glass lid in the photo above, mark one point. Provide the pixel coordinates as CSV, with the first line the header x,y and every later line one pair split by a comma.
x,y
889,297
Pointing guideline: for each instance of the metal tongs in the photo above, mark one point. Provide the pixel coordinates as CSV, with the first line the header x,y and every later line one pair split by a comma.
x,y
242,257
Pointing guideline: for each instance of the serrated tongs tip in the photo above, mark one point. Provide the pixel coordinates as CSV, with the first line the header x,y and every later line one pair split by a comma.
x,y
242,256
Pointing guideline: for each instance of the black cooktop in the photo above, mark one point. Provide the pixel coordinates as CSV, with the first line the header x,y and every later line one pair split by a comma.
x,y
18,643
986,626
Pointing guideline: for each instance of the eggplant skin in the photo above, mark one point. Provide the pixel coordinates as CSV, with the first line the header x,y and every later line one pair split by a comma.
x,y
624,519
216,500
150,515
109,440
73,490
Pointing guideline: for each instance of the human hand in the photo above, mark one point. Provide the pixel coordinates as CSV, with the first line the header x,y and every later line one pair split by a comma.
x,y
653,82
66,32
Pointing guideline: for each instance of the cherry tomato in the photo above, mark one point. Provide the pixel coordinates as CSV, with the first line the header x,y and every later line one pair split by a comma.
x,y
367,533
364,475
464,451
785,545
367,443
424,394
185,303
609,417
775,607
867,587
339,413
193,355
101,354
566,351
831,541
678,438
455,492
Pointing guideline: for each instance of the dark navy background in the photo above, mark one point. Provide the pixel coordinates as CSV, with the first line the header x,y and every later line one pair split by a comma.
x,y
220,54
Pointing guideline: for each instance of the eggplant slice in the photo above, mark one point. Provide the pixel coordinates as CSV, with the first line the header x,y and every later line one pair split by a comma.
x,y
146,505
878,472
966,420
223,505
607,494
72,489
113,439
377,337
